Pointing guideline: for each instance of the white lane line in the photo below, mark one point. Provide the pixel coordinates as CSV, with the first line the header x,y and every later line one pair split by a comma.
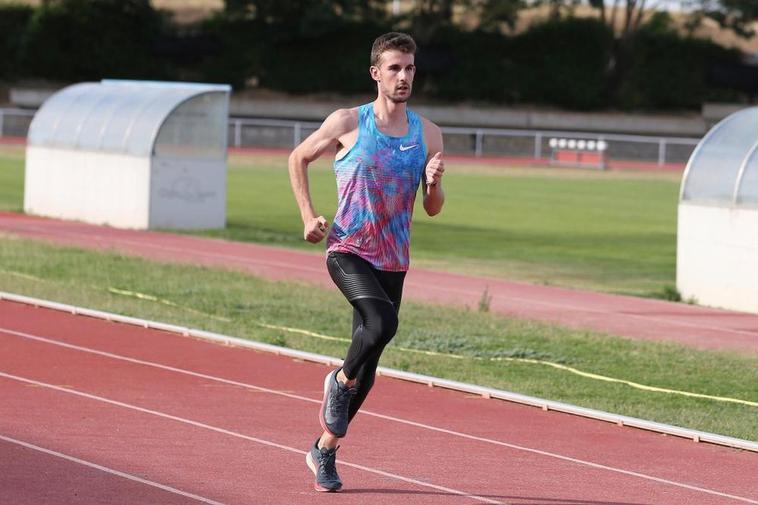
x,y
250,261
245,437
377,415
109,470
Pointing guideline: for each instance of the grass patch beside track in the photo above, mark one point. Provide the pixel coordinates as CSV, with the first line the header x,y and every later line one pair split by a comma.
x,y
11,178
234,304
605,231
602,231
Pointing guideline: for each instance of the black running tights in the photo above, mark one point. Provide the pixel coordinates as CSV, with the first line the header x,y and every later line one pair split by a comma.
x,y
375,296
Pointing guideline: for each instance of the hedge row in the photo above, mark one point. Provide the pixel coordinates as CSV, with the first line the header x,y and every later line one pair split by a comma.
x,y
571,63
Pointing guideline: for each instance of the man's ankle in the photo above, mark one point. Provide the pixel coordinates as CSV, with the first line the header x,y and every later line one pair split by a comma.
x,y
327,441
341,377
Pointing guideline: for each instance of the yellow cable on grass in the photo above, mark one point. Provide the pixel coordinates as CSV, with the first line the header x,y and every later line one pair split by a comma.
x,y
633,384
455,356
143,296
534,361
20,274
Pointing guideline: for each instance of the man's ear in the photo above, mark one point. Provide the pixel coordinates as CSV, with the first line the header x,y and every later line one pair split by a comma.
x,y
374,71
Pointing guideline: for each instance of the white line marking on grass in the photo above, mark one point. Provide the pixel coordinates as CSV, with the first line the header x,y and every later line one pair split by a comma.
x,y
378,415
245,437
110,470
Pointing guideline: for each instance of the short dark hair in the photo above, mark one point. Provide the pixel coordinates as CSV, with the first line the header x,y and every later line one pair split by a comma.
x,y
392,41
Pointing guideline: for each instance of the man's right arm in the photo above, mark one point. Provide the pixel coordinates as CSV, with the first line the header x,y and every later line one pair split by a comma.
x,y
325,139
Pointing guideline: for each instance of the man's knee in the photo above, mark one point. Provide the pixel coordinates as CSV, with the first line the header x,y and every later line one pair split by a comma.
x,y
380,329
389,323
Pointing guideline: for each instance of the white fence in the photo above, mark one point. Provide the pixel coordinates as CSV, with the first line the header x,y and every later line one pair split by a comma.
x,y
244,132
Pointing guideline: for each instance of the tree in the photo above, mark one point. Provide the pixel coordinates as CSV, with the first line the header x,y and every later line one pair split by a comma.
x,y
632,12
306,11
732,14
494,13
428,16
634,15
557,7
735,15
72,40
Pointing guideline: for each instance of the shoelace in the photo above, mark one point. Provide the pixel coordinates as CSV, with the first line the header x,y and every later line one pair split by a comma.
x,y
328,464
340,401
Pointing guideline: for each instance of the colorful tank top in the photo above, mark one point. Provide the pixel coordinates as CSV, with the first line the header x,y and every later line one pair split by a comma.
x,y
377,180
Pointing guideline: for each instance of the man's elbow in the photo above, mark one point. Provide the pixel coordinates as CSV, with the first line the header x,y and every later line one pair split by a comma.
x,y
297,161
294,158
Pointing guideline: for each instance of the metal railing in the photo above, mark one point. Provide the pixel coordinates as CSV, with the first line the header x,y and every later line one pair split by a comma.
x,y
246,132
15,122
536,143
479,142
482,141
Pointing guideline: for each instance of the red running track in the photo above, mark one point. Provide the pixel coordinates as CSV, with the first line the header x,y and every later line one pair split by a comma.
x,y
628,316
102,412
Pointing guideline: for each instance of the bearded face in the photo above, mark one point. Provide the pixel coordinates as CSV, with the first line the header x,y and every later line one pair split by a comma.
x,y
394,75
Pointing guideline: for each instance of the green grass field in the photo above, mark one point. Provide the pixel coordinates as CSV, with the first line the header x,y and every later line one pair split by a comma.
x,y
584,229
613,232
485,345
11,178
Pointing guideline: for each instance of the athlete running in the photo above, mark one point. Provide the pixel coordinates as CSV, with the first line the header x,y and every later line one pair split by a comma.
x,y
383,151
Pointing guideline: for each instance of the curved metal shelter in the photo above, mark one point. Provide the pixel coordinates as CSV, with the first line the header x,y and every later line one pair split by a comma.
x,y
717,232
136,154
723,168
135,118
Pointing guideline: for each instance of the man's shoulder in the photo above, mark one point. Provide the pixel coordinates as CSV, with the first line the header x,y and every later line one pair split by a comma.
x,y
428,125
432,135
346,113
343,120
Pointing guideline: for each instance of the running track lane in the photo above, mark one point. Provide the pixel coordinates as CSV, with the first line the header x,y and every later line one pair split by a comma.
x,y
628,316
230,425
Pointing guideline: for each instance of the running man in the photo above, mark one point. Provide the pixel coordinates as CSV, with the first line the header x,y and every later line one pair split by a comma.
x,y
383,151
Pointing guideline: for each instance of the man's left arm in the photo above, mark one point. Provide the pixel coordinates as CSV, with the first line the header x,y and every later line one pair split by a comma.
x,y
434,196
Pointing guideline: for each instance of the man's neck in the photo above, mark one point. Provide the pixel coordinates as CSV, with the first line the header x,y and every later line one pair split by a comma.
x,y
388,112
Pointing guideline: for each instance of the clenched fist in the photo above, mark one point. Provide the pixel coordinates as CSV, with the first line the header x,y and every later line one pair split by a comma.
x,y
315,229
434,170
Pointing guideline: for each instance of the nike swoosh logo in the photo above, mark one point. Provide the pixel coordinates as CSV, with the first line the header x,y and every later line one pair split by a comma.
x,y
405,148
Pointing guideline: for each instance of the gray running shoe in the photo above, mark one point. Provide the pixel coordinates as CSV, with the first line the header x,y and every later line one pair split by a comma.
x,y
335,407
322,463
